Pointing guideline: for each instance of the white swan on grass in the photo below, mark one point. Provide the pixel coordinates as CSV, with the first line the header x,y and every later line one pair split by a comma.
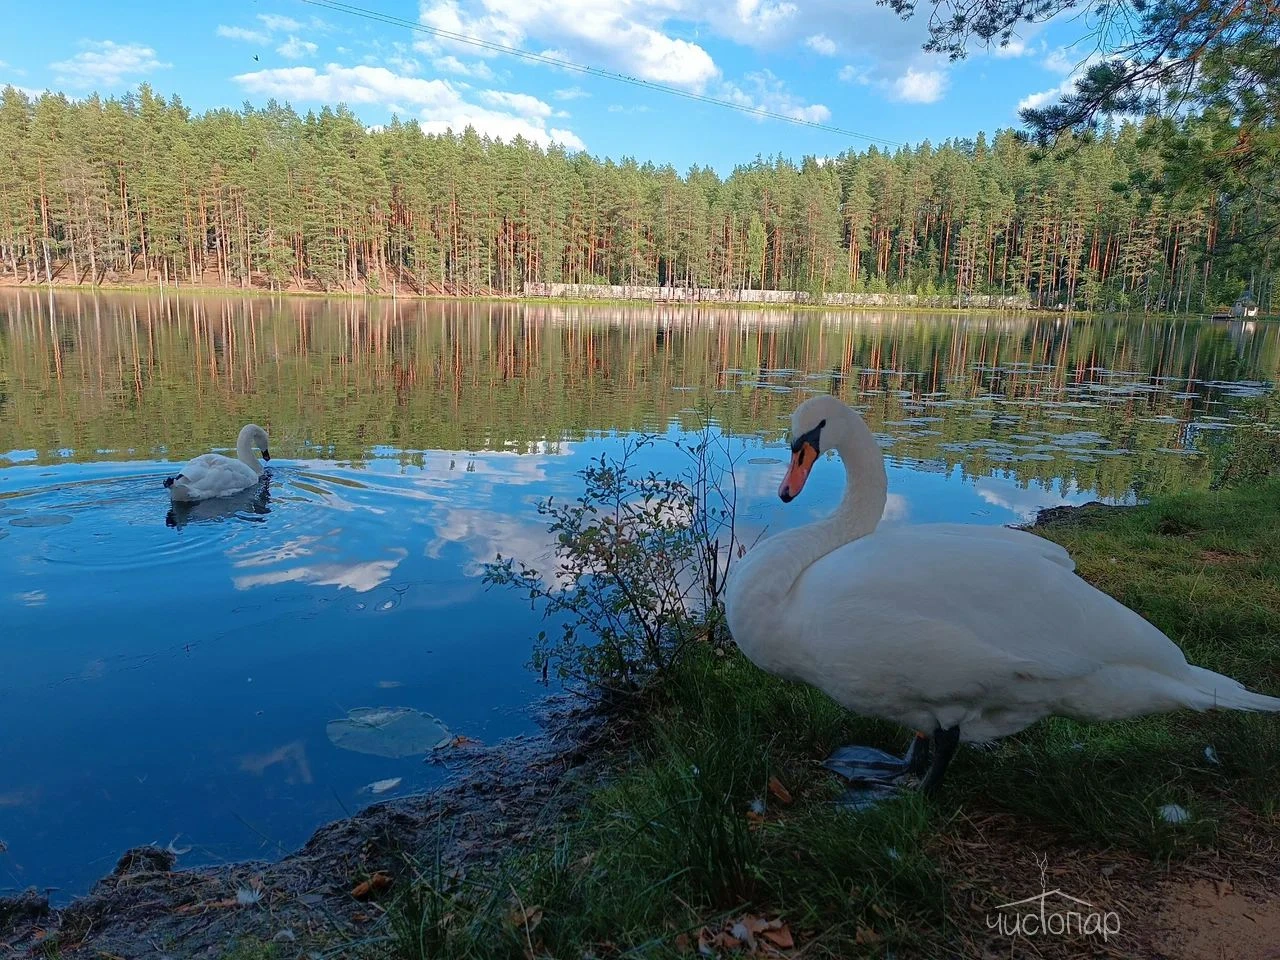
x,y
964,633
212,475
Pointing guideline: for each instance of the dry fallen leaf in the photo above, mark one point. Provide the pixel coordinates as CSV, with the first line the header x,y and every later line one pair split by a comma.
x,y
705,943
526,919
780,938
755,819
780,793
375,884
682,942
754,924
866,935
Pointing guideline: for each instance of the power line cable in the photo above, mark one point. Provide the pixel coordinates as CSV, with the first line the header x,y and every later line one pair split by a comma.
x,y
549,60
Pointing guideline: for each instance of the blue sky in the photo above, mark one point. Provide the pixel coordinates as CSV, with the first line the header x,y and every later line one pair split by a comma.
x,y
846,63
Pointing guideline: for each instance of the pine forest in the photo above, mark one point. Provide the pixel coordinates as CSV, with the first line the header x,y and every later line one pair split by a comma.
x,y
141,189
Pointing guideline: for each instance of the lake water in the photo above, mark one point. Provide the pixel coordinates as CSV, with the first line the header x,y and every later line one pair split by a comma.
x,y
171,678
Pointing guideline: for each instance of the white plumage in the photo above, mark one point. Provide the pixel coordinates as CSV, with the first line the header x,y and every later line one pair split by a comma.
x,y
946,627
212,475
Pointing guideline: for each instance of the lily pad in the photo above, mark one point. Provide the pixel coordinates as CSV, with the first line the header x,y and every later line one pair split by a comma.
x,y
41,520
387,731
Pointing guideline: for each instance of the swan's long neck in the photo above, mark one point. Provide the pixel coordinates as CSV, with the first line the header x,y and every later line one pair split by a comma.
x,y
759,589
244,451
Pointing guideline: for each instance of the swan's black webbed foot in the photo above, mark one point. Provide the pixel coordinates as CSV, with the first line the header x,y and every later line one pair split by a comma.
x,y
869,765
879,776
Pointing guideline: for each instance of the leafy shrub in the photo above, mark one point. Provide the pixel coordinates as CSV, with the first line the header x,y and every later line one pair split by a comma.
x,y
1249,453
640,564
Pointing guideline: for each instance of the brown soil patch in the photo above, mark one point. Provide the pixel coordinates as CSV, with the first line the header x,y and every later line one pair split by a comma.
x,y
1218,904
1213,921
1216,557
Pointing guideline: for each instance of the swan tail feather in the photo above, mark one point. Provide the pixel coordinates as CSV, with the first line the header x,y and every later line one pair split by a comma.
x,y
1223,693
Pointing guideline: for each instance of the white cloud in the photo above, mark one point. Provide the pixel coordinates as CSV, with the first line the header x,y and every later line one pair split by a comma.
x,y
405,65
447,15
1014,48
1035,101
851,74
439,104
296,48
31,92
496,123
106,63
242,33
920,86
363,84
748,20
1060,61
867,28
570,93
1019,46
821,43
625,36
451,64
358,576
275,22
766,92
521,103
658,40
619,108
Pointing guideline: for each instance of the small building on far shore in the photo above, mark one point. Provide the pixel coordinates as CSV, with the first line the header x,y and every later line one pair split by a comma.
x,y
1245,306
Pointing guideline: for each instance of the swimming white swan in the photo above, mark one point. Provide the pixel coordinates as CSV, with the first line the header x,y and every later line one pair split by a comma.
x,y
964,633
212,475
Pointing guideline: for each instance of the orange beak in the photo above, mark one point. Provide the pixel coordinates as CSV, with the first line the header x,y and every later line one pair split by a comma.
x,y
802,461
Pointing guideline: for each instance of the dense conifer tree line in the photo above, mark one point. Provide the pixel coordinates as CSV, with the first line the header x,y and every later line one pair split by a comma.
x,y
104,190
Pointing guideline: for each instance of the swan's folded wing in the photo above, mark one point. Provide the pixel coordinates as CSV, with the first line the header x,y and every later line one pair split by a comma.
x,y
1003,603
1047,549
918,659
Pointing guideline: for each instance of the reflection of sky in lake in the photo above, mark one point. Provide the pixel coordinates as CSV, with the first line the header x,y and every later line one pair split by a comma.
x,y
171,676
177,679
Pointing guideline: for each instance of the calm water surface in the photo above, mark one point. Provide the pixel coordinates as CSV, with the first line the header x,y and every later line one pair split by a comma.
x,y
172,676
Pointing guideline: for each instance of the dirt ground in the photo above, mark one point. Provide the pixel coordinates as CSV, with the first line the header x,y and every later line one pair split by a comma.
x,y
1219,904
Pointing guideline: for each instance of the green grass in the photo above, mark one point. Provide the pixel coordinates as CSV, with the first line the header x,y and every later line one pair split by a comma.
x,y
667,846
1205,569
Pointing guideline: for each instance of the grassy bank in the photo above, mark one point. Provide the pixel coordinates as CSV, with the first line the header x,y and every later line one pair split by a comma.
x,y
719,819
